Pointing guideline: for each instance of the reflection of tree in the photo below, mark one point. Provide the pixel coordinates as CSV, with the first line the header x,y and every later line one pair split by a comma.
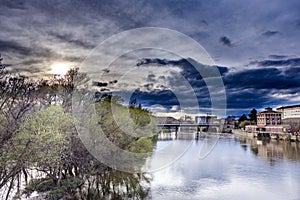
x,y
117,185
274,150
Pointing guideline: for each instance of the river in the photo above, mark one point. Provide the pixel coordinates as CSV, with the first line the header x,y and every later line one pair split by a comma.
x,y
236,168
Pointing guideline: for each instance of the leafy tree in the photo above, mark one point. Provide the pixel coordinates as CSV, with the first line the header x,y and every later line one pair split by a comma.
x,y
244,123
43,141
253,115
243,118
36,132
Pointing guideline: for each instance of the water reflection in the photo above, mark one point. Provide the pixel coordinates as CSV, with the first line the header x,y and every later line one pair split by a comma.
x,y
272,150
235,169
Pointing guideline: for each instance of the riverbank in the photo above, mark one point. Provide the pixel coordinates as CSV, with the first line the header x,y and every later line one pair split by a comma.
x,y
239,132
273,136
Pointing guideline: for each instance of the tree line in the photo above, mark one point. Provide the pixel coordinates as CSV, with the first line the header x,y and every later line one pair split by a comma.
x,y
244,120
40,147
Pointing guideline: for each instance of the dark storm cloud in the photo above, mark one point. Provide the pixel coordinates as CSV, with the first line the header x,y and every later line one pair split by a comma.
x,y
225,41
293,72
14,4
113,82
254,87
270,33
69,38
106,70
149,86
24,34
187,65
100,84
14,47
146,61
273,63
151,78
245,88
277,56
265,78
161,97
248,98
203,21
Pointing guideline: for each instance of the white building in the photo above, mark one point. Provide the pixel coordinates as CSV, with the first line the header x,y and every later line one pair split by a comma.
x,y
206,119
290,111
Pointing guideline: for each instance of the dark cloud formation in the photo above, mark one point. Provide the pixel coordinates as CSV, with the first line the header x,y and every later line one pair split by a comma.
x,y
151,77
285,62
203,21
270,33
259,87
100,84
16,4
69,38
113,82
187,65
106,70
277,56
225,41
34,34
14,47
162,97
245,89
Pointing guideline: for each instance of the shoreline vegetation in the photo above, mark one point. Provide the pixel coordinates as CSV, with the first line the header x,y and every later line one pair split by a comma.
x,y
41,153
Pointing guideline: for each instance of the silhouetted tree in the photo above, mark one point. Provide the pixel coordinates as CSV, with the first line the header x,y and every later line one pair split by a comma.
x,y
253,115
243,118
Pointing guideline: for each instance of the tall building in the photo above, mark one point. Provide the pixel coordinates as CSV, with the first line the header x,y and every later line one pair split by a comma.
x,y
290,111
291,116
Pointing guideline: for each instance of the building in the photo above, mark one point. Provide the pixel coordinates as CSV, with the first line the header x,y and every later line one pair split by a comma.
x,y
290,111
230,123
291,117
268,117
269,121
206,119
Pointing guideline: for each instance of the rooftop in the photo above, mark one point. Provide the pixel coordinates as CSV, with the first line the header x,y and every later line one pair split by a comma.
x,y
284,107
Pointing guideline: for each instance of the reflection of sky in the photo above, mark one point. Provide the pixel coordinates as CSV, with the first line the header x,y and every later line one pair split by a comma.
x,y
229,172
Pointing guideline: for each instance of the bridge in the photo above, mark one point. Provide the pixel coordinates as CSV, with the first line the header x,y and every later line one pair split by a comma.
x,y
198,127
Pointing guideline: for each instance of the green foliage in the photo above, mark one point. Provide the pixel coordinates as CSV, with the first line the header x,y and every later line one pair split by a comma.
x,y
253,115
57,193
243,118
46,141
123,125
39,185
68,186
44,136
142,145
244,123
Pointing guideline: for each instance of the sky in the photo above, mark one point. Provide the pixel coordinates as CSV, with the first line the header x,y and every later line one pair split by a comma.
x,y
254,45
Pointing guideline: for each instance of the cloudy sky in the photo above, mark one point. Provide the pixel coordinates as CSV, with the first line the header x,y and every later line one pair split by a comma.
x,y
253,44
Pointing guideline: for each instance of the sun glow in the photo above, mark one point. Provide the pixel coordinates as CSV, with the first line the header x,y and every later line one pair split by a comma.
x,y
59,69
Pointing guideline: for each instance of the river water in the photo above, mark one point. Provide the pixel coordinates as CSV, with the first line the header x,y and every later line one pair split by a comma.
x,y
236,168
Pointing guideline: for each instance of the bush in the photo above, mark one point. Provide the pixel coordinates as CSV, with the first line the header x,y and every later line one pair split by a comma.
x,y
39,185
47,185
